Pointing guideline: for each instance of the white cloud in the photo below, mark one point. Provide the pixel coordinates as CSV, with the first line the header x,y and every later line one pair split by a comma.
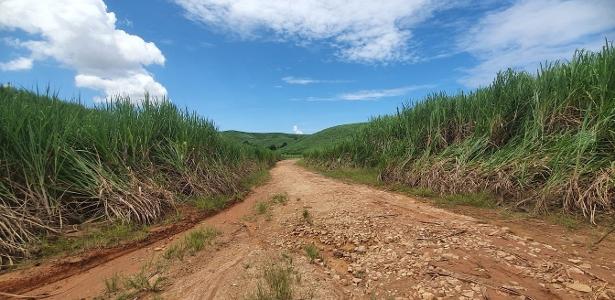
x,y
296,130
18,64
82,35
300,81
306,81
376,94
530,32
361,30
132,85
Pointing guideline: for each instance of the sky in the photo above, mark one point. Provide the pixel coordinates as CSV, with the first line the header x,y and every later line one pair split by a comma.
x,y
286,66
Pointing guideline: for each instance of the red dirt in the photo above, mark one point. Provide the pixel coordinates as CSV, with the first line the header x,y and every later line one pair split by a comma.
x,y
24,280
372,243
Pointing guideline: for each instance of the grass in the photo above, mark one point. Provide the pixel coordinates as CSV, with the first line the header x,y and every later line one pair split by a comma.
x,y
262,207
192,243
307,217
367,176
542,141
565,220
280,198
147,280
482,200
210,203
112,285
312,252
277,282
64,164
216,203
107,236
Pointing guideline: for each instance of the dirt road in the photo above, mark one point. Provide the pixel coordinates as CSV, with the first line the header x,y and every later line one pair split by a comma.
x,y
371,244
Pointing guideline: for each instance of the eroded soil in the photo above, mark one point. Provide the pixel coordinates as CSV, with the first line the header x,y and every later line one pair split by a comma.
x,y
371,244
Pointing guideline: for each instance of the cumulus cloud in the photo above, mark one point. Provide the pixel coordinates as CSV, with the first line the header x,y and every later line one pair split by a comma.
x,y
306,80
361,30
528,32
82,35
296,130
371,95
18,64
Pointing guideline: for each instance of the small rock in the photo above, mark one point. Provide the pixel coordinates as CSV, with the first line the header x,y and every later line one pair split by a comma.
x,y
158,249
427,296
585,266
356,280
154,279
450,256
581,287
469,294
337,253
575,270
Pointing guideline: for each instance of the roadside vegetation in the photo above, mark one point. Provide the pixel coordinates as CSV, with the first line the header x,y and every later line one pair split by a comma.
x,y
63,164
153,275
192,243
148,281
545,142
278,282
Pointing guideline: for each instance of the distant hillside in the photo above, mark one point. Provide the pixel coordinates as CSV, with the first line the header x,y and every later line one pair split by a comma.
x,y
273,141
288,143
323,138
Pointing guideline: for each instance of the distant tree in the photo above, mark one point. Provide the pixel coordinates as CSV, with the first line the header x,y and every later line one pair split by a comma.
x,y
283,145
273,147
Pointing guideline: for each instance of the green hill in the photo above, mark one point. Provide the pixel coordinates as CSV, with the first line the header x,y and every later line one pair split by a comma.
x,y
323,138
288,143
273,141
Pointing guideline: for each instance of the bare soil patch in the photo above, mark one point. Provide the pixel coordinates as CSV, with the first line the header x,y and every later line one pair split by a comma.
x,y
350,241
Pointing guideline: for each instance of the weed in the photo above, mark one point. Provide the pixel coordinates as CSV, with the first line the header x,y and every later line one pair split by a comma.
x,y
255,178
192,243
482,200
211,203
568,221
94,238
312,252
148,279
307,217
198,239
144,282
175,251
262,207
277,283
280,198
112,284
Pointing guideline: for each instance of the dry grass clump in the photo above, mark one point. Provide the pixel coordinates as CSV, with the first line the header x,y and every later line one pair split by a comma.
x,y
543,141
277,283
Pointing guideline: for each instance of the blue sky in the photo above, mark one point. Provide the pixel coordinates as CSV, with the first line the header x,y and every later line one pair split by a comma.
x,y
284,66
